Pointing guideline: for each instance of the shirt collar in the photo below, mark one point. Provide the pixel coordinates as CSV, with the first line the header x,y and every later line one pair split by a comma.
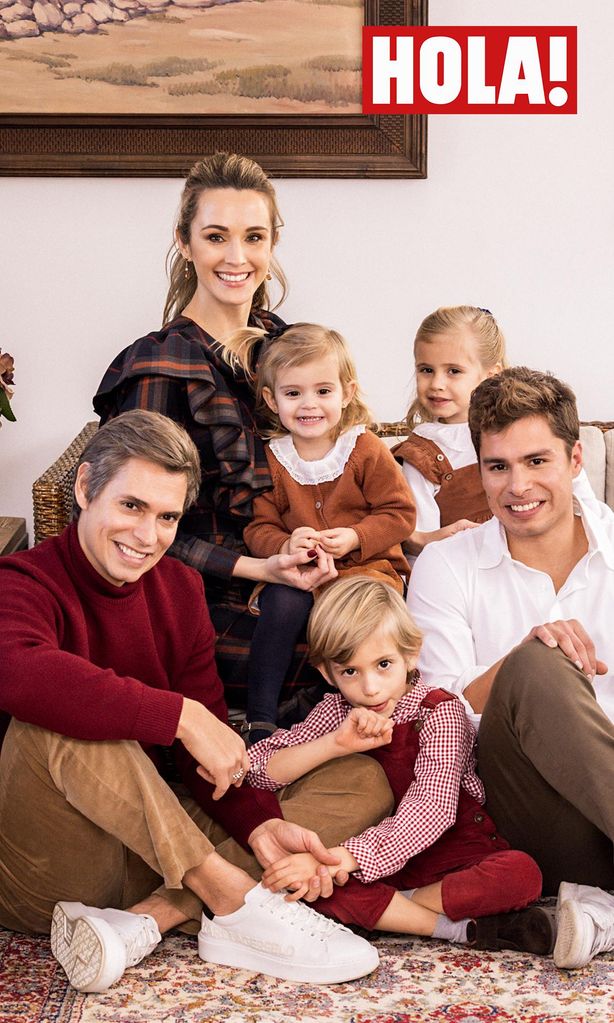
x,y
600,538
454,436
494,540
493,547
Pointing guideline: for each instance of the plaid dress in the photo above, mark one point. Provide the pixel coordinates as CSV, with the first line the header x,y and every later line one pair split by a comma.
x,y
179,372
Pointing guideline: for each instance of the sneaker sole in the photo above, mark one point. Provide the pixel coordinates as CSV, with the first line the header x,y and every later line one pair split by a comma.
x,y
81,947
567,890
242,957
572,948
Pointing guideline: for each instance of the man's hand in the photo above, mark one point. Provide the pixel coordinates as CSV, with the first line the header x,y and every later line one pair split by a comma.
x,y
303,538
573,640
295,873
276,838
339,542
219,751
305,570
364,730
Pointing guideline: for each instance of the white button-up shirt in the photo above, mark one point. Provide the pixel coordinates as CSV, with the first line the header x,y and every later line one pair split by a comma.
x,y
474,603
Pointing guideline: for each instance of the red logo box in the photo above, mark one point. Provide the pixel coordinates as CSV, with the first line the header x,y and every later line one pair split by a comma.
x,y
470,70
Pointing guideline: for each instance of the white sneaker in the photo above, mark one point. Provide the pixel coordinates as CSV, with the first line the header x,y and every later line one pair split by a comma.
x,y
94,946
585,922
287,940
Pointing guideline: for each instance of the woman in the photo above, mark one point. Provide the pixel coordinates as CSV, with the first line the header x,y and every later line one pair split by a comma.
x,y
226,232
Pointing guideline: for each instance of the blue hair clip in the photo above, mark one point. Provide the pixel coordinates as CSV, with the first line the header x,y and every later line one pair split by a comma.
x,y
487,311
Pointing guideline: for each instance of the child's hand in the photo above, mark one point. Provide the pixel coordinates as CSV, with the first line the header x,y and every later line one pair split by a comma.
x,y
456,527
364,730
416,543
293,872
303,538
339,542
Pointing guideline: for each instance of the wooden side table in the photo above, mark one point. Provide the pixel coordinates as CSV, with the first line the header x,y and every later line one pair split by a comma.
x,y
13,536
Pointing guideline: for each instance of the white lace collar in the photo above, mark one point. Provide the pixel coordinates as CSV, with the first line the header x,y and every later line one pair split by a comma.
x,y
454,436
323,470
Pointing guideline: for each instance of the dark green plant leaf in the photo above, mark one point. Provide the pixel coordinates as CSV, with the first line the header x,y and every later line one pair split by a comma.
x,y
5,408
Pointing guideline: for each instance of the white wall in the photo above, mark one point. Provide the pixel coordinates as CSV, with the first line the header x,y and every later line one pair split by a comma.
x,y
516,214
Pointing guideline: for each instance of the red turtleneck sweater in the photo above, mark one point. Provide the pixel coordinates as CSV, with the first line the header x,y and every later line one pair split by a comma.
x,y
91,660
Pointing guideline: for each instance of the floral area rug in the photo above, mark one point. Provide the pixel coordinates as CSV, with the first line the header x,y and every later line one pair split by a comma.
x,y
417,982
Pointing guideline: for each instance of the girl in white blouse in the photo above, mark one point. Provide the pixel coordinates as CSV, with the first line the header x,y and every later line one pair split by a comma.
x,y
455,348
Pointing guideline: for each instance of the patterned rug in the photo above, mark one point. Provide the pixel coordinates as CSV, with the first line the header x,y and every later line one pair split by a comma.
x,y
417,982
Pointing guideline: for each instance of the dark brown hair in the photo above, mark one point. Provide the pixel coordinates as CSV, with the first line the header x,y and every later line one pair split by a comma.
x,y
517,393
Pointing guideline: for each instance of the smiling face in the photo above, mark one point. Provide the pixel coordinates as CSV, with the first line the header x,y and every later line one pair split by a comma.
x,y
132,521
527,474
309,400
376,675
231,242
447,371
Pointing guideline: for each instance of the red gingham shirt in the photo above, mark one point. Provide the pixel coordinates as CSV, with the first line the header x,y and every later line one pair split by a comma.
x,y
445,761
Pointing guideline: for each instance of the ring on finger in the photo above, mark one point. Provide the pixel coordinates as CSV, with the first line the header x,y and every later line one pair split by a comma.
x,y
237,775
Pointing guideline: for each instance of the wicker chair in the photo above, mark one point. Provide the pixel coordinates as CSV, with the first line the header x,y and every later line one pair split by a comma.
x,y
52,493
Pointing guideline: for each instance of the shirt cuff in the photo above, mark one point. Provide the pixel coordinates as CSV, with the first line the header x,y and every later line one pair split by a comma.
x,y
465,680
367,868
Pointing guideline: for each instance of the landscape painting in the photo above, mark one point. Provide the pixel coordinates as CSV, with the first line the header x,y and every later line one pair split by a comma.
x,y
146,87
180,56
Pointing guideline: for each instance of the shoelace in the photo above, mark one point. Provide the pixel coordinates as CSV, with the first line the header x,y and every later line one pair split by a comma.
x,y
309,920
141,941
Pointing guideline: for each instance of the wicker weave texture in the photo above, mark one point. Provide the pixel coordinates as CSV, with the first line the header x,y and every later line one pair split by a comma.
x,y
52,492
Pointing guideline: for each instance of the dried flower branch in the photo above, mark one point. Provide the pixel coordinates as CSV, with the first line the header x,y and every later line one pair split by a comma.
x,y
7,365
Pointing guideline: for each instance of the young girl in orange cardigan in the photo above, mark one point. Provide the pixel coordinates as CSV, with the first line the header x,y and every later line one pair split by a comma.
x,y
335,487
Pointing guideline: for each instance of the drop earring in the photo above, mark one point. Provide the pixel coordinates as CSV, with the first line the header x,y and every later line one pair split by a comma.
x,y
186,269
269,275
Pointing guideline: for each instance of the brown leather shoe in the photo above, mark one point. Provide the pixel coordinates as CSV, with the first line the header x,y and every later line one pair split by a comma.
x,y
527,930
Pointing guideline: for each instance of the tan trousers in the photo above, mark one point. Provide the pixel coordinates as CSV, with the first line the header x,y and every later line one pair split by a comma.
x,y
546,755
94,822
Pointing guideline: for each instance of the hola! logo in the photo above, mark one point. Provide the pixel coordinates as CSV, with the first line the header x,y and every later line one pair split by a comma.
x,y
470,70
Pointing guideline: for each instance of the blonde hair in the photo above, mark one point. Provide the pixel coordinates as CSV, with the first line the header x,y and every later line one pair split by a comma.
x,y
297,345
349,612
221,170
486,332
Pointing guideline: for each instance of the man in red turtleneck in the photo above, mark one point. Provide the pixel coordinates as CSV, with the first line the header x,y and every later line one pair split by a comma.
x,y
107,659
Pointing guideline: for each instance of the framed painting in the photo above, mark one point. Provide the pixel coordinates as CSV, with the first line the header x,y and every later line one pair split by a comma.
x,y
146,87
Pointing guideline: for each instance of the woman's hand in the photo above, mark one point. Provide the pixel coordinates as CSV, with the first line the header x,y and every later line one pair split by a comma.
x,y
306,569
339,542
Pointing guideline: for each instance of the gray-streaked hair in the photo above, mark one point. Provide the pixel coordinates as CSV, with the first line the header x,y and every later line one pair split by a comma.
x,y
139,434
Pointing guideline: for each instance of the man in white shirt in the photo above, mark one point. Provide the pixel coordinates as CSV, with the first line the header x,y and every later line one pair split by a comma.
x,y
517,617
